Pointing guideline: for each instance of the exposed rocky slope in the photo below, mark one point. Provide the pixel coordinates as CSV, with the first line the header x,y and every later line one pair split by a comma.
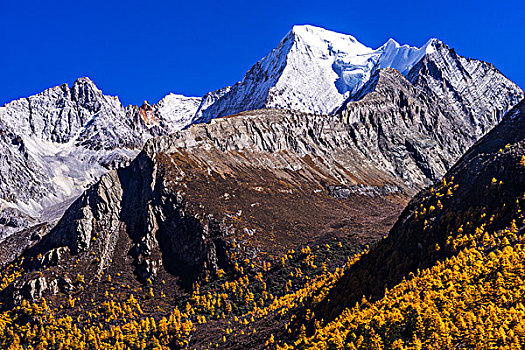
x,y
413,133
56,143
198,201
483,189
470,88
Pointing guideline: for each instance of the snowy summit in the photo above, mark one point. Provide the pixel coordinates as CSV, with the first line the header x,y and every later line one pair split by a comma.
x,y
338,63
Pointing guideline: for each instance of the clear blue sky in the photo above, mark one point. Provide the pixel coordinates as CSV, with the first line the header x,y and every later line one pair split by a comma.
x,y
145,49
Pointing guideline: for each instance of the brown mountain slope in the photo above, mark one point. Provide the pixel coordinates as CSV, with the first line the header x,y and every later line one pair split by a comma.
x,y
485,184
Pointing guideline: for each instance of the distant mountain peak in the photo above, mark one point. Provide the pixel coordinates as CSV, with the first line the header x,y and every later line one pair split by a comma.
x,y
338,63
84,80
320,35
403,57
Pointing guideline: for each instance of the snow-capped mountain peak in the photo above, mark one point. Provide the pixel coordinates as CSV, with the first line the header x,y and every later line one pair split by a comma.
x,y
338,64
326,40
177,110
403,57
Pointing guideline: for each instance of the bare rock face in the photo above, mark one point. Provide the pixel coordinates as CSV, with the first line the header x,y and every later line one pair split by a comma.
x,y
472,89
412,131
34,289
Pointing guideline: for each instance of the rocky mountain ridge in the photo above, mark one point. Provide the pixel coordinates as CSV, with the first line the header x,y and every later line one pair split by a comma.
x,y
341,66
195,194
482,191
58,142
